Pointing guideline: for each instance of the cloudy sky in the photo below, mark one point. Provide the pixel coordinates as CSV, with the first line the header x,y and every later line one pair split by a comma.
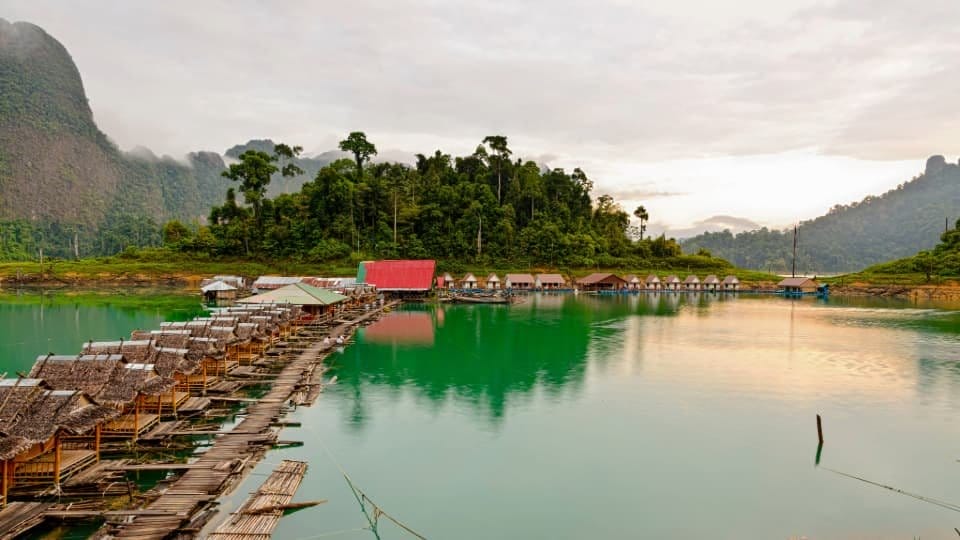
x,y
709,113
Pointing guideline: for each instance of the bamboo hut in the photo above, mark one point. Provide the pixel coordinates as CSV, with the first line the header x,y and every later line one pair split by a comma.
x,y
110,381
731,283
169,364
493,282
671,283
36,423
634,283
692,283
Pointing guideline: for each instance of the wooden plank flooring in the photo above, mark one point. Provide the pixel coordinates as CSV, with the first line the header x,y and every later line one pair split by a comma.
x,y
232,454
19,517
261,512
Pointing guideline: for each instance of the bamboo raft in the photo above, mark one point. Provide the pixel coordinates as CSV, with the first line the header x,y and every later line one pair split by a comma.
x,y
261,512
184,506
19,517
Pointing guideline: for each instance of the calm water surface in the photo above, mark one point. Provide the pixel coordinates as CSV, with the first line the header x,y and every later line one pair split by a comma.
x,y
642,417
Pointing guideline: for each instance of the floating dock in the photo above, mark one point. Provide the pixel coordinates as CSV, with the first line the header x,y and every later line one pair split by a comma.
x,y
261,512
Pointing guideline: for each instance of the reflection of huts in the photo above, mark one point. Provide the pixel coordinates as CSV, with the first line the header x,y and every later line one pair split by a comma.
x,y
218,291
519,281
671,283
601,281
469,281
634,283
731,283
36,423
547,282
493,282
652,283
710,283
692,283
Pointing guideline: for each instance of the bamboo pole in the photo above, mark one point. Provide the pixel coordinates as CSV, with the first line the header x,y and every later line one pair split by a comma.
x,y
96,442
56,460
136,417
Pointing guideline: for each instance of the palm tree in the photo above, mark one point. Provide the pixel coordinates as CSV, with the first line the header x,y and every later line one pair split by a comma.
x,y
641,214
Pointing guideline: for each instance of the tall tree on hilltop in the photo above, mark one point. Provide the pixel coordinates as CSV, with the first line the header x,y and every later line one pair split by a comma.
x,y
357,144
498,144
643,216
255,169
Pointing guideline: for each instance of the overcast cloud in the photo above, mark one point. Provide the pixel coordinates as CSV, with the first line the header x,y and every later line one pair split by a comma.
x,y
652,98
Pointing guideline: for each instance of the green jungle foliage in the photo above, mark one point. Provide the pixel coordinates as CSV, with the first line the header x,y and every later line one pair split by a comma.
x,y
941,261
895,224
481,209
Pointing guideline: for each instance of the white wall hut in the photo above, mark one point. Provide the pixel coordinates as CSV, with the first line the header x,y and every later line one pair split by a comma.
x,y
652,283
710,283
493,282
731,283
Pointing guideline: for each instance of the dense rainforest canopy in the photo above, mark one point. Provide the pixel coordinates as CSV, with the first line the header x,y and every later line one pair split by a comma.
x,y
486,208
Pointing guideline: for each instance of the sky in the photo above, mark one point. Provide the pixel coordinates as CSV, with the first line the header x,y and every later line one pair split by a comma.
x,y
732,114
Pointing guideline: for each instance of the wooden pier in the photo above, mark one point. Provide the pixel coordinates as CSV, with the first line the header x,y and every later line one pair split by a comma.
x,y
187,504
261,512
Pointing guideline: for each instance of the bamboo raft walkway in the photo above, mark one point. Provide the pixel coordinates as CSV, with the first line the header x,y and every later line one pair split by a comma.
x,y
261,512
186,505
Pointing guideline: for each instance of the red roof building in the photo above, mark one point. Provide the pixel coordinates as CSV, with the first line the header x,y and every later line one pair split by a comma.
x,y
400,275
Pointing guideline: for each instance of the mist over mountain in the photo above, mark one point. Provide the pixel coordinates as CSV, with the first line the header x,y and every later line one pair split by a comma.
x,y
896,224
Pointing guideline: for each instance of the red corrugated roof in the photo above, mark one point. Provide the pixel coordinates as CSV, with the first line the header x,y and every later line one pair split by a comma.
x,y
400,275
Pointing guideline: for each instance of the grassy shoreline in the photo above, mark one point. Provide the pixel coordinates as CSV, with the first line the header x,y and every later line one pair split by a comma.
x,y
184,273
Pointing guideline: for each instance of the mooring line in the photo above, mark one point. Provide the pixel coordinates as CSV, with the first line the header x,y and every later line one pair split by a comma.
x,y
924,498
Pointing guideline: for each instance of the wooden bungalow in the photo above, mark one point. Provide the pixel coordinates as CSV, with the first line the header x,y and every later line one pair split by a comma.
x,y
493,282
168,363
710,283
36,424
731,283
110,381
519,282
634,283
672,283
692,283
312,300
447,281
469,281
798,285
600,281
652,283
218,291
550,282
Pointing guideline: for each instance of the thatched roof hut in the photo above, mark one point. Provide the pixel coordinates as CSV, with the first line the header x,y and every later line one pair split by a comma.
x,y
32,413
89,373
136,379
135,351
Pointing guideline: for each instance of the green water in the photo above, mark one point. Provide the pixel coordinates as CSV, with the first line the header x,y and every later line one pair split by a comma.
x,y
651,417
667,416
35,322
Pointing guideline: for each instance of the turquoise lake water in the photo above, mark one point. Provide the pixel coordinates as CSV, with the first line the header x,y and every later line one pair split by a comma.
x,y
659,416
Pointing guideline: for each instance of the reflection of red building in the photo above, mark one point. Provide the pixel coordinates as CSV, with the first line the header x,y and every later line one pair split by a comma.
x,y
407,328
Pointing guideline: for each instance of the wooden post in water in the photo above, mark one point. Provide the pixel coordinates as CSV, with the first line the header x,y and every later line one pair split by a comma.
x,y
819,430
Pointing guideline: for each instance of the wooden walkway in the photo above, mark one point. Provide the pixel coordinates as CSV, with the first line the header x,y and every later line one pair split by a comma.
x,y
233,453
259,515
19,517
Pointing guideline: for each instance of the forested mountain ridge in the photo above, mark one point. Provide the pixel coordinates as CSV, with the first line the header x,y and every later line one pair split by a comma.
x,y
63,184
899,223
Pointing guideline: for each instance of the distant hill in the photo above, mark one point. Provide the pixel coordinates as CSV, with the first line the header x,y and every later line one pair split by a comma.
x,y
897,224
278,183
61,176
